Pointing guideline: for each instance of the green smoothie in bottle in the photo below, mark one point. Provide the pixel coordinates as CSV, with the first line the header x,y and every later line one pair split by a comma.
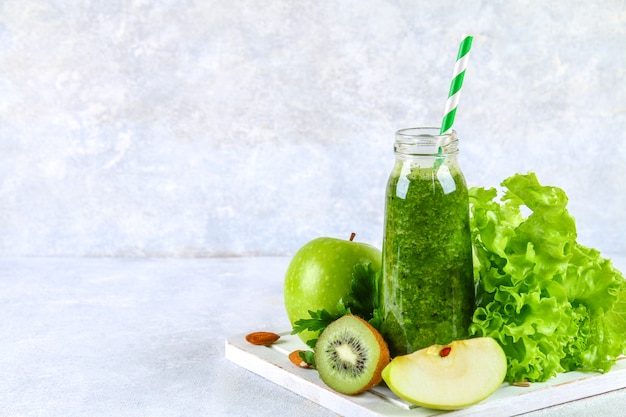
x,y
427,287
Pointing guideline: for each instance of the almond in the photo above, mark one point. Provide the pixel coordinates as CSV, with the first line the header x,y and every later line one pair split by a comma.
x,y
295,358
262,338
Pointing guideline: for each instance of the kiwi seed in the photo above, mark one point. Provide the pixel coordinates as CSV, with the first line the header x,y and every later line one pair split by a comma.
x,y
350,355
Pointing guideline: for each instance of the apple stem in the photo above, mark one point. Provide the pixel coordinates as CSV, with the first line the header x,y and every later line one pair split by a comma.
x,y
445,351
352,235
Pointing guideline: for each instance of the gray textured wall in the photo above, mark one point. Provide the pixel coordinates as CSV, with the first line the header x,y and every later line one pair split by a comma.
x,y
237,127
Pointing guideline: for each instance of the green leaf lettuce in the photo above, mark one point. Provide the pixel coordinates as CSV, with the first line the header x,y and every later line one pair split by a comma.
x,y
553,304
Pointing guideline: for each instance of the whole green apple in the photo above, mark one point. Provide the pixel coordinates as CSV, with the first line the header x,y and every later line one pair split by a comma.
x,y
319,275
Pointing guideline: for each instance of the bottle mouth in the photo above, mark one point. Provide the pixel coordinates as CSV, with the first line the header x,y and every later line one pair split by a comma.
x,y
426,141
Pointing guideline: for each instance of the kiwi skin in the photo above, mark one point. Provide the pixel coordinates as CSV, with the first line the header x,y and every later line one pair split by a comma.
x,y
379,346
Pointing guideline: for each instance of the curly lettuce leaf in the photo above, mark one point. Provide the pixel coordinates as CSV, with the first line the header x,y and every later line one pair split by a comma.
x,y
553,304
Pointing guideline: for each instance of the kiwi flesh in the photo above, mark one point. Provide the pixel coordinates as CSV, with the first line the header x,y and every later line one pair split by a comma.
x,y
350,355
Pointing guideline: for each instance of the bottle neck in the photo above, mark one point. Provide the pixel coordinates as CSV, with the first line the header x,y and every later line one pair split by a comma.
x,y
425,142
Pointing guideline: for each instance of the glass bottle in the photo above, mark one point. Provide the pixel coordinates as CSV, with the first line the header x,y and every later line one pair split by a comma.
x,y
427,287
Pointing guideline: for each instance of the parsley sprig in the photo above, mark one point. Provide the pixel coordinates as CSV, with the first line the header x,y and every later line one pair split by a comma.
x,y
362,301
363,298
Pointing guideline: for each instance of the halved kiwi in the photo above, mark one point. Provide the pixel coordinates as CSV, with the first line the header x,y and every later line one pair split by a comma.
x,y
350,355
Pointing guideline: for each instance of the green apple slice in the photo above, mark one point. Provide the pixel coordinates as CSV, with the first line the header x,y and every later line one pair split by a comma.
x,y
448,377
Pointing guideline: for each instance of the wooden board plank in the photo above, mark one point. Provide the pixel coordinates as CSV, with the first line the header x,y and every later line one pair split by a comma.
x,y
272,363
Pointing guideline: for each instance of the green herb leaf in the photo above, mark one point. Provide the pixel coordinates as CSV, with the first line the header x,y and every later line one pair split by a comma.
x,y
311,343
308,356
377,319
318,322
362,300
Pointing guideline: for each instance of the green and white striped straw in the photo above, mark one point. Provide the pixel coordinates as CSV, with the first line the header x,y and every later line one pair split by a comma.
x,y
457,83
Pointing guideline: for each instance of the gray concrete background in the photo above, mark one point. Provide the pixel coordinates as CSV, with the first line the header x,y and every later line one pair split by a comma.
x,y
212,128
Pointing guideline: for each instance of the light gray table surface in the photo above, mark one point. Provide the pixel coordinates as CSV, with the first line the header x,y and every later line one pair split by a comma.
x,y
145,337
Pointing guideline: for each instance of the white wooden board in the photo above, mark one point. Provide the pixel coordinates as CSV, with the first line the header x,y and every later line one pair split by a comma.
x,y
272,363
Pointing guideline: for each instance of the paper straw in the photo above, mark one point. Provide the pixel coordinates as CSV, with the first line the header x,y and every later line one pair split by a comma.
x,y
456,84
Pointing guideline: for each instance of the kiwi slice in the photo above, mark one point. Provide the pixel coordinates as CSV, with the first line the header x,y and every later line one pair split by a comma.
x,y
350,355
